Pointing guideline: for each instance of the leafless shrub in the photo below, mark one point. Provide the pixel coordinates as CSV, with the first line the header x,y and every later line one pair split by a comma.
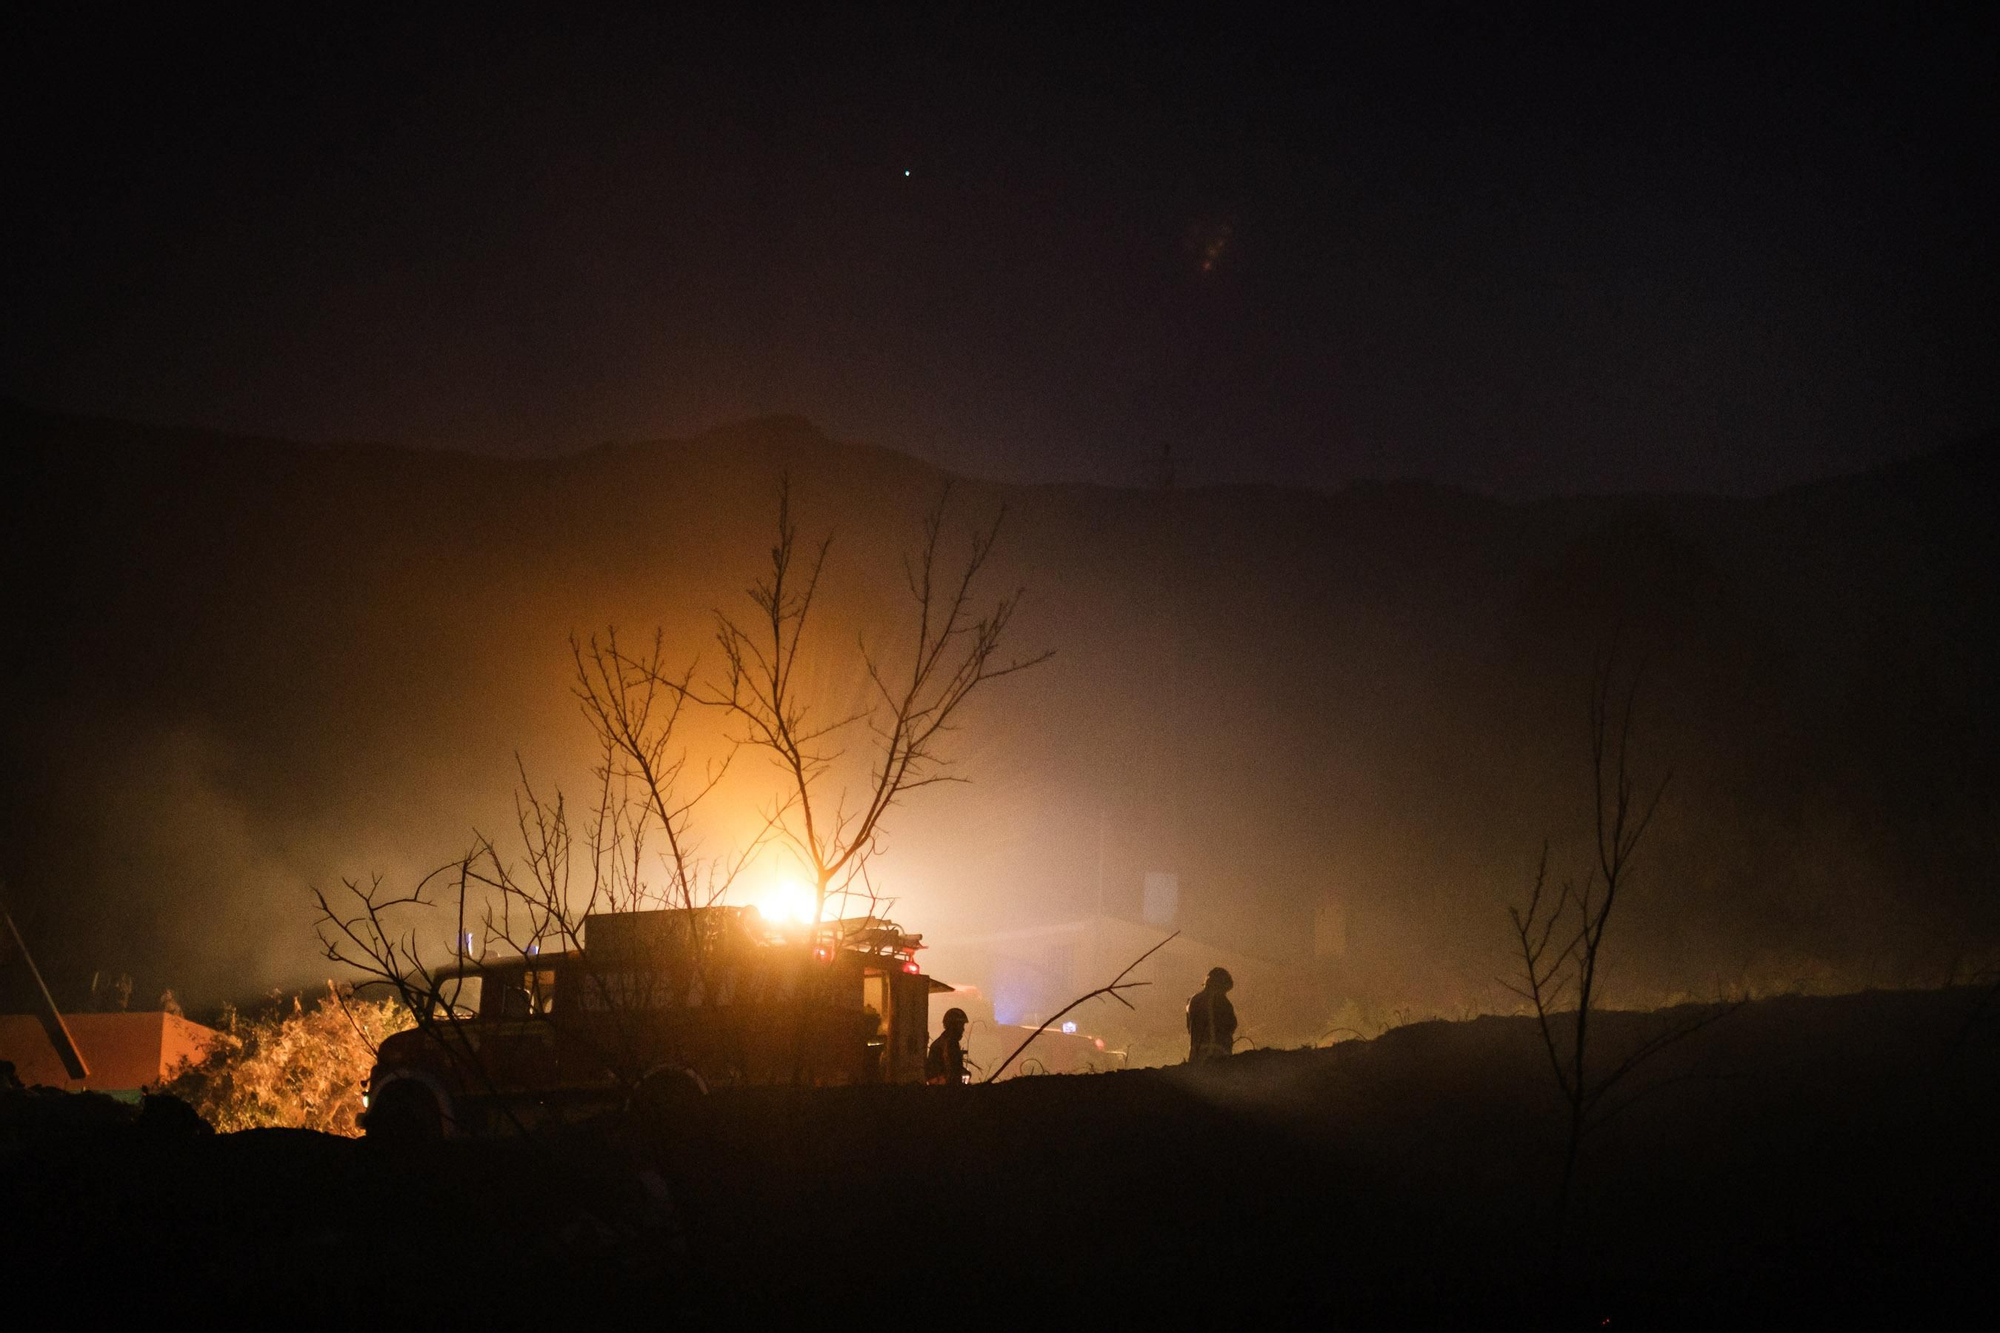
x,y
834,829
634,850
637,847
1560,936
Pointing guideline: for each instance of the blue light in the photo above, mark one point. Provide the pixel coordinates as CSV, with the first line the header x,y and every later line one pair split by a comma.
x,y
1016,991
1069,1029
534,950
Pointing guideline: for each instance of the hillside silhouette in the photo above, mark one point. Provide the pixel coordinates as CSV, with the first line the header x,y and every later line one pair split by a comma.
x,y
1805,1160
238,666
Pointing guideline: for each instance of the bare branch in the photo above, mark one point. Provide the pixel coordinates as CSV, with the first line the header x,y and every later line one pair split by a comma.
x,y
1114,989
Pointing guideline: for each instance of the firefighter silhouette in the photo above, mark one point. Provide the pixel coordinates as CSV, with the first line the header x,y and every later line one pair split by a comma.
x,y
1211,1019
945,1062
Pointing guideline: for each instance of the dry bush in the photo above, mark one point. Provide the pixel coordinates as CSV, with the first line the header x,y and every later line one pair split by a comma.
x,y
290,1067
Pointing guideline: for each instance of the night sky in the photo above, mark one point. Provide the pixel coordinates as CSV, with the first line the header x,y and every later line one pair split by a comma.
x,y
1723,253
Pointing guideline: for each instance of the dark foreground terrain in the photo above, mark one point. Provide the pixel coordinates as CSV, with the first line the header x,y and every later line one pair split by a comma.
x,y
1802,1158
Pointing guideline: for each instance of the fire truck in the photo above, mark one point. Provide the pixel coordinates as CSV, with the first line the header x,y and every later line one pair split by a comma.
x,y
654,1006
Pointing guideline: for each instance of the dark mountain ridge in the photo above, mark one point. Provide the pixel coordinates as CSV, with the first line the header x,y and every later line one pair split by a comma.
x,y
240,666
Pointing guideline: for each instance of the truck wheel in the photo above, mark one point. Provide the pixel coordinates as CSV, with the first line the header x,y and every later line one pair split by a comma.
x,y
669,1092
405,1112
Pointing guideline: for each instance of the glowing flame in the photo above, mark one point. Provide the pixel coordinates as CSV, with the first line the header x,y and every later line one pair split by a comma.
x,y
787,902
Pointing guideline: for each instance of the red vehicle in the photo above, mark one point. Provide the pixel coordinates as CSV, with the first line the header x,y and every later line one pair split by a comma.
x,y
1060,1049
655,1005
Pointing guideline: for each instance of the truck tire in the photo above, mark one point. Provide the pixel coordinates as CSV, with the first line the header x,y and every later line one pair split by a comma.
x,y
405,1111
669,1092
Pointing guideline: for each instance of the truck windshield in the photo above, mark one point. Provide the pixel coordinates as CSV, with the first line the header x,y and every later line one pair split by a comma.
x,y
460,995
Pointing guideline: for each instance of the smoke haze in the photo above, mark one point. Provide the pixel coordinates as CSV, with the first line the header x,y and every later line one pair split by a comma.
x,y
243,667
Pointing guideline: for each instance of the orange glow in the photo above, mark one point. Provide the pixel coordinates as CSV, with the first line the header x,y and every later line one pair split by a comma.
x,y
786,902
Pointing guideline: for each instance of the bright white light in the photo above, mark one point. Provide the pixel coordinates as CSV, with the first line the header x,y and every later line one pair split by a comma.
x,y
1069,1029
786,902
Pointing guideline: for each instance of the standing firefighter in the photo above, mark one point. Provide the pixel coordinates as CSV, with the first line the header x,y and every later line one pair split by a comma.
x,y
946,1061
1211,1019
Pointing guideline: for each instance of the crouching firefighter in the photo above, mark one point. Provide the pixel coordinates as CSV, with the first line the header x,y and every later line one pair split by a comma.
x,y
945,1063
1211,1019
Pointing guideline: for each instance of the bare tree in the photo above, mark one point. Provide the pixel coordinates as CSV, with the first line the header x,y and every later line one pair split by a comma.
x,y
638,848
1561,934
635,850
832,827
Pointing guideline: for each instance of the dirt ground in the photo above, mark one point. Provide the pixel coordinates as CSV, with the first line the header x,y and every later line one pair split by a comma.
x,y
1801,1158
